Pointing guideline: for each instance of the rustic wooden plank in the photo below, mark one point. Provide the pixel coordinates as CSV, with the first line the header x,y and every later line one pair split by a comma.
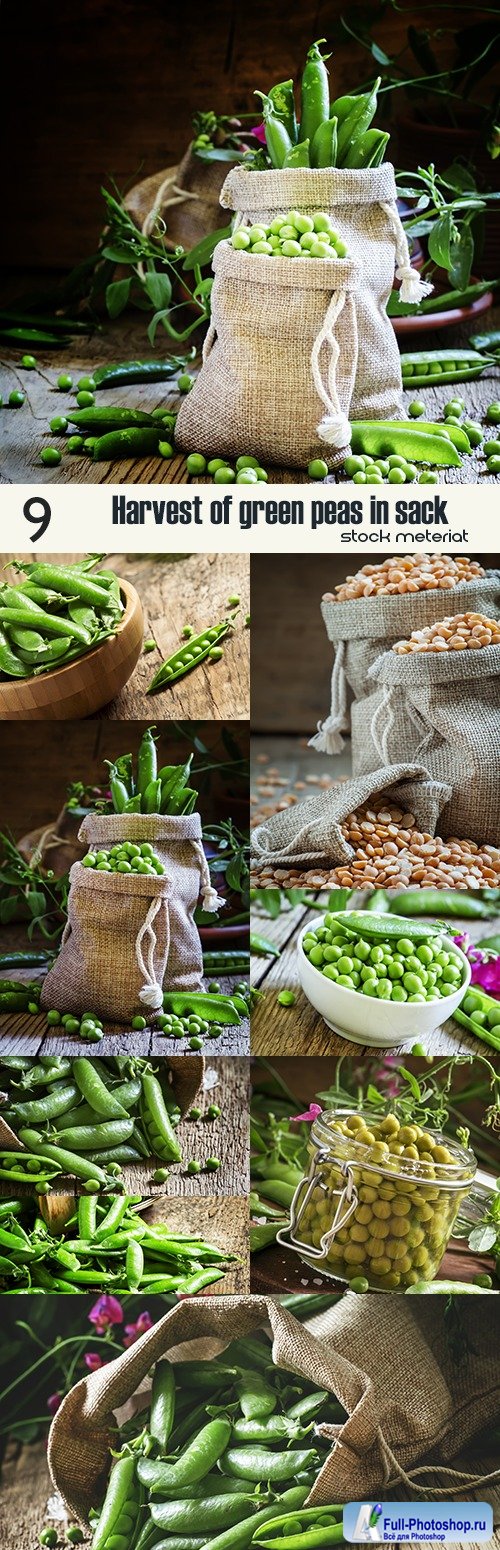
x,y
277,1270
176,590
26,430
299,1030
223,1222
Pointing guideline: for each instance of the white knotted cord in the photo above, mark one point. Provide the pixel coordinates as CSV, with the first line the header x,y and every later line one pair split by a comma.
x,y
413,288
151,993
334,428
382,723
211,900
327,739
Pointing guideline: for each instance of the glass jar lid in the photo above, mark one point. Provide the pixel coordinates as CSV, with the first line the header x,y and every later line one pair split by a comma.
x,y
347,1136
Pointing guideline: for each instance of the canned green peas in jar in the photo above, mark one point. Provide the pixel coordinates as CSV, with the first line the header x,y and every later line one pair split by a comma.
x,y
380,1199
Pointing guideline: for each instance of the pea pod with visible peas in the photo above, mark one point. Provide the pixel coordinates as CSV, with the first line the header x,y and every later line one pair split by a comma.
x,y
378,437
283,102
195,651
156,1121
426,368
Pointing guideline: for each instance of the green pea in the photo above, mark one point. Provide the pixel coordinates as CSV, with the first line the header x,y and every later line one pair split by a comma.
x,y
346,980
474,432
373,476
75,444
16,399
184,382
454,409
59,423
160,1176
214,464
345,965
493,413
416,408
359,1284
72,1025
48,1537
86,384
195,1042
240,240
411,472
396,461
64,382
212,1164
165,449
359,478
397,475
369,988
224,475
286,998
246,476
383,467
493,464
412,983
85,400
196,463
138,1024
353,465
193,1166
50,456
376,955
317,469
53,1018
399,993
427,477
492,448
213,1111
29,362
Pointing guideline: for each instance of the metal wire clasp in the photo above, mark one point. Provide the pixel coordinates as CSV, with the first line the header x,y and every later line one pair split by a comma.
x,y
347,1200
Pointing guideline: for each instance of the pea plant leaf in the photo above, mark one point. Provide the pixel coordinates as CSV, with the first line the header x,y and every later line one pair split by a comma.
x,y
117,295
201,254
461,257
440,240
412,1082
482,1239
159,289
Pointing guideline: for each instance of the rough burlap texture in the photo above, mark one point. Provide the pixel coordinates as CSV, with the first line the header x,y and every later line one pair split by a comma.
x,y
97,966
310,835
362,205
373,1354
185,197
364,627
444,710
256,388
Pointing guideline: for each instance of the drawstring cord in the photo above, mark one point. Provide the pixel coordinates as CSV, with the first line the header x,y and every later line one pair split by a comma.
x,y
211,900
413,288
327,739
151,993
334,428
468,1482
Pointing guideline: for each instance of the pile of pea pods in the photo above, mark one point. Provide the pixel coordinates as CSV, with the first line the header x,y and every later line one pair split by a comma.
x,y
225,1459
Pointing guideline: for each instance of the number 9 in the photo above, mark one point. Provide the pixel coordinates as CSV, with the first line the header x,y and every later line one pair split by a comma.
x,y
41,520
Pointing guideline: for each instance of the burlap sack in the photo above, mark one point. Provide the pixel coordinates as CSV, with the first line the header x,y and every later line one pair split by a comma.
x,y
128,936
279,360
443,710
372,1354
364,627
185,197
363,207
310,834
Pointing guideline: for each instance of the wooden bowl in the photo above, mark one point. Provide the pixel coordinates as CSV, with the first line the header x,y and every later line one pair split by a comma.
x,y
80,688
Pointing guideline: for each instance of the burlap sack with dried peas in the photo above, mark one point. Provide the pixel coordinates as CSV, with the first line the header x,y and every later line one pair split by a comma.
x,y
444,711
363,628
129,936
390,1368
310,834
363,207
279,360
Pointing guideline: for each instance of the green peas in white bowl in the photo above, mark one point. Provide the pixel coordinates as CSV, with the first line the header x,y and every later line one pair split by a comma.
x,y
381,980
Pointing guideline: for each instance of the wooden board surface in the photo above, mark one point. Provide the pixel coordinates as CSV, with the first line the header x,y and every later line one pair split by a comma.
x,y
176,590
299,1029
23,1033
26,430
225,1083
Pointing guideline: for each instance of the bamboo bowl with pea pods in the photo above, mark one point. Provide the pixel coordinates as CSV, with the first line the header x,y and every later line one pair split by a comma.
x,y
81,687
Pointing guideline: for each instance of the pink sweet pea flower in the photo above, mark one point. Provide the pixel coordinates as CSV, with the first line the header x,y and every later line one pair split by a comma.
x,y
259,133
105,1312
93,1361
311,1114
53,1402
134,1331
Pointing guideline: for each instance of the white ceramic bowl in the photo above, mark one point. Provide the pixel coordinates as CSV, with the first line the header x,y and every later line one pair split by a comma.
x,y
364,1019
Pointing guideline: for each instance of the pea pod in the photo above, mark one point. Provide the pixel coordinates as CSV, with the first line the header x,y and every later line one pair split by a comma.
x,y
443,901
58,1101
198,1459
147,763
283,102
162,1403
121,1490
86,1138
241,1537
298,155
324,145
426,368
277,137
315,92
356,121
65,580
188,656
212,1514
133,442
110,418
126,372
389,927
197,1003
455,433
256,1463
70,1162
95,1091
368,149
489,341
447,1289
378,437
156,1121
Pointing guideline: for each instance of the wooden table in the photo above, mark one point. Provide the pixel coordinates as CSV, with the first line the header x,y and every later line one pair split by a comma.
x,y
278,1270
225,1083
300,1030
23,1033
175,590
26,430
27,1491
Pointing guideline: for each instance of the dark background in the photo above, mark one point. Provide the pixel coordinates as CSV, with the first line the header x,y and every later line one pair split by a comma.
x,y
37,765
292,658
106,89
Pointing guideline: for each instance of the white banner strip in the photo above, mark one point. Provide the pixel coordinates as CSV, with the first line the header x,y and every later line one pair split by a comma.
x,y
296,518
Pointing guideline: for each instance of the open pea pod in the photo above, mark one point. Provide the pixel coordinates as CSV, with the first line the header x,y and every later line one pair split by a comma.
x,y
380,438
385,928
